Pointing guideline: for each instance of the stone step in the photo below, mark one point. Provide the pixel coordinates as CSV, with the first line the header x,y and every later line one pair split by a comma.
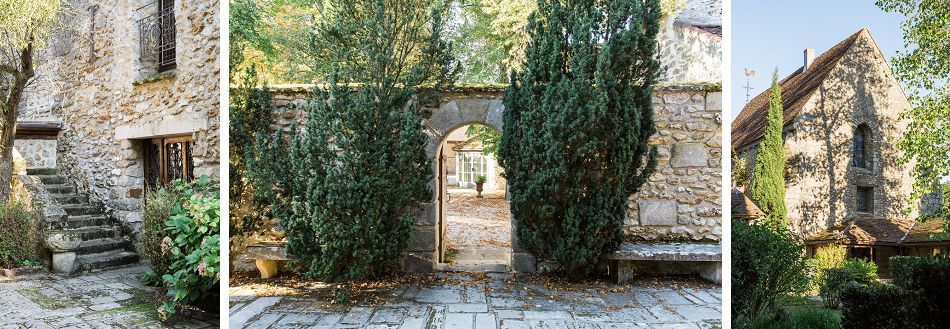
x,y
483,254
52,179
70,198
61,189
42,171
86,221
93,233
103,245
105,260
474,266
80,209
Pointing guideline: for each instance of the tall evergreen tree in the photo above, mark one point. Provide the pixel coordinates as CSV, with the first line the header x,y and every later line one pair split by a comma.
x,y
767,189
576,123
359,167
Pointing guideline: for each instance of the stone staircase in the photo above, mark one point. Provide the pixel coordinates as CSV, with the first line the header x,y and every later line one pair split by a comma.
x,y
102,243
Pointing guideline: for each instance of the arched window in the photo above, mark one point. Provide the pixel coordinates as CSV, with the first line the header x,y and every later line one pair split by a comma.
x,y
860,148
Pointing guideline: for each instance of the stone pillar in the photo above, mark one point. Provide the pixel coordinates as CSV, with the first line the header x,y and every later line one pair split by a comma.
x,y
63,246
521,259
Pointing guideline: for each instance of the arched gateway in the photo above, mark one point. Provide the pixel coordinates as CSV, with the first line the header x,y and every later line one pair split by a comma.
x,y
426,247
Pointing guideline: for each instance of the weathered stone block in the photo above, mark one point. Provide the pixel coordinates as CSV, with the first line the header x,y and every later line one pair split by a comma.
x,y
419,262
657,212
524,262
689,155
422,238
267,267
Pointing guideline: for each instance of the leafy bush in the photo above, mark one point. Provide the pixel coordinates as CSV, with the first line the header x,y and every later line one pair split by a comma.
x,y
929,279
863,271
191,246
883,306
157,209
808,317
18,234
834,281
826,257
576,124
766,265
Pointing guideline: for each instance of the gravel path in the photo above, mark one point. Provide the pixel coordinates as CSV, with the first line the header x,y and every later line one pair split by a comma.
x,y
478,222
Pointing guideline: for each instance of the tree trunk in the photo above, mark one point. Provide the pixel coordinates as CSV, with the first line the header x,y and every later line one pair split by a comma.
x,y
9,120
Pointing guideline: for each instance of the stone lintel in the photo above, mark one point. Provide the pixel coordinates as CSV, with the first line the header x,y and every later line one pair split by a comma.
x,y
168,126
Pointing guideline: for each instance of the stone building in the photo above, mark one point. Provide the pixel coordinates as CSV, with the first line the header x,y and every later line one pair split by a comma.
x,y
128,93
841,128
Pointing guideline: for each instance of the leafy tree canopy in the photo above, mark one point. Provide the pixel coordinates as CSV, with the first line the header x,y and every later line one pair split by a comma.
x,y
924,69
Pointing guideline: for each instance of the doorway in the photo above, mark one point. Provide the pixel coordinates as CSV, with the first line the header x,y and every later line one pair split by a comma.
x,y
474,221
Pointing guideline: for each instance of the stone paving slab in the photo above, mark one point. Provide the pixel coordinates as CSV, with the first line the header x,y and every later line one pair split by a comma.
x,y
113,298
477,301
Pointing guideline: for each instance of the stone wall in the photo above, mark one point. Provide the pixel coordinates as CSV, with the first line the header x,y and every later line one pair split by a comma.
x,y
821,182
91,79
690,43
681,201
36,153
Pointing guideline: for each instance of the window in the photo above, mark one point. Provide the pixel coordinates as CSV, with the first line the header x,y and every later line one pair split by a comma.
x,y
168,159
471,165
860,147
864,199
157,36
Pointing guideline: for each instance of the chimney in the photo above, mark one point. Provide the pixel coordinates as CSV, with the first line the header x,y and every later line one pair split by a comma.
x,y
809,57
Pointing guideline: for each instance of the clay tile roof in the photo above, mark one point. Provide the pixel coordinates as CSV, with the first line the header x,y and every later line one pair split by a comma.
x,y
743,207
928,231
868,230
797,88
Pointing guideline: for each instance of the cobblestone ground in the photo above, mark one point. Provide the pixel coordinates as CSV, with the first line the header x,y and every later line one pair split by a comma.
x,y
478,301
106,299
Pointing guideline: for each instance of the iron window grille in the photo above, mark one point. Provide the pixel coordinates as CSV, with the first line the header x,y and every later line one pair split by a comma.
x,y
157,36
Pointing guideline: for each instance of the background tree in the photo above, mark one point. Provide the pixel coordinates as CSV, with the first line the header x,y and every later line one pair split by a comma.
x,y
740,171
24,29
767,188
490,38
359,169
576,123
924,69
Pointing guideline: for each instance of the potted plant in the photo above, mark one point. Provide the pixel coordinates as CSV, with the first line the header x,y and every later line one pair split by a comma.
x,y
479,184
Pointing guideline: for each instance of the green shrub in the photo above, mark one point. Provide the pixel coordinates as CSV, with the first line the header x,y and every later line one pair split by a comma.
x,y
883,306
577,121
191,246
18,234
799,318
863,271
766,265
157,209
826,257
834,281
929,279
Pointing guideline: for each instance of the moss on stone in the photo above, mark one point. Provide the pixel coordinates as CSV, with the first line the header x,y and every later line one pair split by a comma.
x,y
48,302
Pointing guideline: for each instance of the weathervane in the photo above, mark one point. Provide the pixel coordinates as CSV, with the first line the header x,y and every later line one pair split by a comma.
x,y
748,86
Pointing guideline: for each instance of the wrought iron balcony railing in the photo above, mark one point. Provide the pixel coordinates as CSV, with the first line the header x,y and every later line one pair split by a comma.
x,y
157,36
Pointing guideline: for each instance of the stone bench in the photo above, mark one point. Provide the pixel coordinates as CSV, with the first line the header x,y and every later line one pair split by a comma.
x,y
704,259
266,255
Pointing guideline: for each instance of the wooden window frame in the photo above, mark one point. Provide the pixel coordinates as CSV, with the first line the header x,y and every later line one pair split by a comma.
x,y
186,165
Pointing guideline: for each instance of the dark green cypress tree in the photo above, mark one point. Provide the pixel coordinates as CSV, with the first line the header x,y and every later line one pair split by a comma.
x,y
768,178
359,167
576,123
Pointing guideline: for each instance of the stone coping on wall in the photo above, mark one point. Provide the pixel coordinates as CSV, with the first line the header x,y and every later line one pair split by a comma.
x,y
498,88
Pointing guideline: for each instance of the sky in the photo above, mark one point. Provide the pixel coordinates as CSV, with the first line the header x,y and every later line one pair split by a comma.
x,y
773,34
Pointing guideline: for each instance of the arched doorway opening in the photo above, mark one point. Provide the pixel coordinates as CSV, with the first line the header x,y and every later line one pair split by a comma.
x,y
474,227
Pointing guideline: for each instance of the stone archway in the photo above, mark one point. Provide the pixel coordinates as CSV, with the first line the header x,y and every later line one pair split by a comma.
x,y
455,111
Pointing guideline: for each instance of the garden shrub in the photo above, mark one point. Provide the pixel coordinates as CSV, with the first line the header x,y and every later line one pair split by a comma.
x,y
191,246
862,270
798,318
826,257
576,124
18,234
156,210
883,306
767,264
834,281
929,279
